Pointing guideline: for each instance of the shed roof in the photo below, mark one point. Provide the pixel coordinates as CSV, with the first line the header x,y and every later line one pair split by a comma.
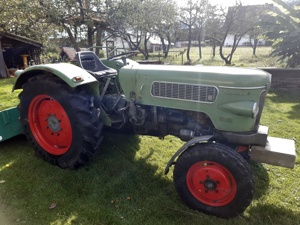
x,y
13,39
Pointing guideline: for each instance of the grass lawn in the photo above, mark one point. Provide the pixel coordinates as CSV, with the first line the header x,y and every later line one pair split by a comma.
x,y
8,98
125,184
242,57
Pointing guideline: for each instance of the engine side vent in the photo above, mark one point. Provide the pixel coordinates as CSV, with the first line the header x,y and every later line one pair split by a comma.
x,y
188,92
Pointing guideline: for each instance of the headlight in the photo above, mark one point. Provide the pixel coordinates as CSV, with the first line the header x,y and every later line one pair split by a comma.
x,y
255,110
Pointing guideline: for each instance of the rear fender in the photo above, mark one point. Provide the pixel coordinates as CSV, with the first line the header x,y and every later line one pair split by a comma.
x,y
73,75
197,140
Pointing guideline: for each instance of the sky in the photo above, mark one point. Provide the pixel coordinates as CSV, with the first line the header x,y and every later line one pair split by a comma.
x,y
244,2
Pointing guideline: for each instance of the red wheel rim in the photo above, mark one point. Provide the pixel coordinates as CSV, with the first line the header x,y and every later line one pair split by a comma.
x,y
50,125
211,183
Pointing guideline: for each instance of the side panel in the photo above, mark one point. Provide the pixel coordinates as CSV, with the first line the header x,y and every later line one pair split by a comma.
x,y
10,125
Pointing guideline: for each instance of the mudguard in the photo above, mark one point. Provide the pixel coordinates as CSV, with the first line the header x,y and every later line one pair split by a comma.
x,y
73,75
192,142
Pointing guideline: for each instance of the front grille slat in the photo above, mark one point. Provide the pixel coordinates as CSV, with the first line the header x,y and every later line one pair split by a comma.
x,y
190,92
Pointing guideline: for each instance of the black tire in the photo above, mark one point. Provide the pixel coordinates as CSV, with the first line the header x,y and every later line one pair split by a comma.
x,y
60,122
214,179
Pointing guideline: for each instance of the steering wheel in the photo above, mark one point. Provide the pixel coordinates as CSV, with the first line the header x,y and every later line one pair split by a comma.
x,y
122,55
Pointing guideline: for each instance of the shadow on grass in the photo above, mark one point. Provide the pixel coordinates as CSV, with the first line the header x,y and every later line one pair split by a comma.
x,y
261,179
114,188
287,96
274,214
117,187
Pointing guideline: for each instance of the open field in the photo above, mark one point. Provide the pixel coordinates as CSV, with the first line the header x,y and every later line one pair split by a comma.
x,y
242,57
125,184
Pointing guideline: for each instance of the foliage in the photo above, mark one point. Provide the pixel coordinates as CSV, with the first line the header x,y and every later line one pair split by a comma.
x,y
88,22
24,18
77,17
213,27
136,21
284,30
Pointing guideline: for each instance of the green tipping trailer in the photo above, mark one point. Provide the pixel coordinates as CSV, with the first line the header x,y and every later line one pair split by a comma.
x,y
10,125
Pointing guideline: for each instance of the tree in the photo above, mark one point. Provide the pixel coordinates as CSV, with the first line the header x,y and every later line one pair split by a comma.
x,y
137,21
214,26
165,24
242,20
24,18
78,18
284,30
257,14
189,15
206,11
129,24
197,16
236,25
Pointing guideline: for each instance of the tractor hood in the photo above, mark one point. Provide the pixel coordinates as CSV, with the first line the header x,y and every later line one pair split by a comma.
x,y
229,95
212,75
140,78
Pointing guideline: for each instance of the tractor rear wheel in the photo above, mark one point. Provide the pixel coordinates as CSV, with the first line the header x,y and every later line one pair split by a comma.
x,y
61,123
214,179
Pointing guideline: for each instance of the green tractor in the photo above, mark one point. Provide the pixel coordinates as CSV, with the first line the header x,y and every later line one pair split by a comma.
x,y
215,110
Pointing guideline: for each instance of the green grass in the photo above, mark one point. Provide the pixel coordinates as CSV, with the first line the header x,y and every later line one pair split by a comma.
x,y
8,98
242,57
125,184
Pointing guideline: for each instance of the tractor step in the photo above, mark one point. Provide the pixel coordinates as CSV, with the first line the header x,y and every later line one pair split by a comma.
x,y
278,152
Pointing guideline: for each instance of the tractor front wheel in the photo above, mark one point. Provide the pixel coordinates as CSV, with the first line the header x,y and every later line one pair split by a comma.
x,y
61,123
214,179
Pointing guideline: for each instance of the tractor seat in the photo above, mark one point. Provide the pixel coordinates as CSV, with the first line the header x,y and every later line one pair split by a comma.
x,y
89,61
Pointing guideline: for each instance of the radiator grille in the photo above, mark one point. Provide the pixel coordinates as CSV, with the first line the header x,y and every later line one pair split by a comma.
x,y
197,93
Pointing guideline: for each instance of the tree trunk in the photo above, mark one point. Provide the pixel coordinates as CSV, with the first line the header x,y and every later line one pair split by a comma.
x,y
169,45
145,46
214,48
90,35
98,40
189,45
200,46
163,44
222,55
221,48
254,47
72,39
135,45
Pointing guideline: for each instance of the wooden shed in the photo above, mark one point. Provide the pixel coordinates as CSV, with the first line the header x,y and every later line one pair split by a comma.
x,y
17,52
